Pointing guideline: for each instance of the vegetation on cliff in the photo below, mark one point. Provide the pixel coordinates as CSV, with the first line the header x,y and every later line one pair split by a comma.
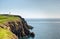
x,y
6,34
14,24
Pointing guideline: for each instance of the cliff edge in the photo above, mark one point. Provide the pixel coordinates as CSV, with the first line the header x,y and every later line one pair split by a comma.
x,y
14,27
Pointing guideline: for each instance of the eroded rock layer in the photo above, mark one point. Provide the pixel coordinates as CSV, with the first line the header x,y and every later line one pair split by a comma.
x,y
15,24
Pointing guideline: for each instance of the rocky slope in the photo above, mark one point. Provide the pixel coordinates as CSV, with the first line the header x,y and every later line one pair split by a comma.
x,y
16,25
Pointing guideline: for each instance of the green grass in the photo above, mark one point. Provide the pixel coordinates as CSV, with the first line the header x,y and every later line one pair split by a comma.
x,y
5,34
4,18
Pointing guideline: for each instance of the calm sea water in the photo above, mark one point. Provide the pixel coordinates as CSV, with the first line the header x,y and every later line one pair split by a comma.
x,y
45,28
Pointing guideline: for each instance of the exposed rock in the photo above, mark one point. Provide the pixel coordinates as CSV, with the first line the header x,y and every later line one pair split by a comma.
x,y
32,34
17,25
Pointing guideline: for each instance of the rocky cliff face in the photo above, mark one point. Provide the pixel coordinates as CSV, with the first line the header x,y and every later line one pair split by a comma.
x,y
17,25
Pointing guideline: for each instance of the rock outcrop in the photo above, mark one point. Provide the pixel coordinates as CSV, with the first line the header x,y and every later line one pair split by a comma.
x,y
16,25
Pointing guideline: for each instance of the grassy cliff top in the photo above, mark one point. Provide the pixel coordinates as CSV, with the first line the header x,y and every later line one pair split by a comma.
x,y
6,34
6,17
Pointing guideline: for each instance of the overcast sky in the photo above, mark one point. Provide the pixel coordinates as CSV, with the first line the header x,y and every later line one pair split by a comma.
x,y
31,8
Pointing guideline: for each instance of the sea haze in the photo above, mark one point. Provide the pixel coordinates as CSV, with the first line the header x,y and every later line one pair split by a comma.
x,y
45,28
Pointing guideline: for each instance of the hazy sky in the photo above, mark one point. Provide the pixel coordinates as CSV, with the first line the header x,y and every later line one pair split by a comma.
x,y
31,8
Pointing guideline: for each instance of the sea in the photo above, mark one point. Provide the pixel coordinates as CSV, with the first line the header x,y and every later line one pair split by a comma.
x,y
45,28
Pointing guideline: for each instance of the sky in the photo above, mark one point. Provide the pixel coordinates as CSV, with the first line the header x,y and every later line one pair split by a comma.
x,y
31,8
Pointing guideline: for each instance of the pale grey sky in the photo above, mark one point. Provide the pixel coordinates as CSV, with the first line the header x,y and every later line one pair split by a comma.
x,y
31,8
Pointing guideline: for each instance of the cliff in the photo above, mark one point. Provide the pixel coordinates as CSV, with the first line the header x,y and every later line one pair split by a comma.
x,y
6,34
14,26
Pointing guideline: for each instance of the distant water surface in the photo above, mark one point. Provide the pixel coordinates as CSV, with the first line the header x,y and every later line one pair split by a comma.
x,y
45,28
